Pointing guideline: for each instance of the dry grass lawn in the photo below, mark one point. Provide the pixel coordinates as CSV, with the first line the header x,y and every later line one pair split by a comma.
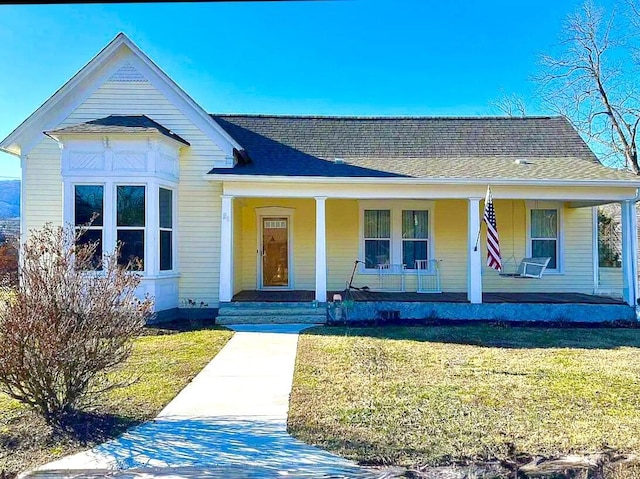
x,y
459,394
163,360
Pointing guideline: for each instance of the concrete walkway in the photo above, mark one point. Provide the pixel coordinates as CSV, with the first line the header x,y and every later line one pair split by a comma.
x,y
230,421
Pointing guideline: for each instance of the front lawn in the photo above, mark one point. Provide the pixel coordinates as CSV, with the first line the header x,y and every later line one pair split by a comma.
x,y
163,360
470,393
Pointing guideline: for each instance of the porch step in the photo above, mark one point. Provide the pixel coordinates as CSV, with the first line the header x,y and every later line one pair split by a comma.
x,y
271,313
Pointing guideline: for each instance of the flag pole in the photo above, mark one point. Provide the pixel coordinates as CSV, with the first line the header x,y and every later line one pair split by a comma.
x,y
475,248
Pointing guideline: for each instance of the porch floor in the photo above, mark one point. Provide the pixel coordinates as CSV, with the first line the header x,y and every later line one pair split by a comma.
x,y
411,297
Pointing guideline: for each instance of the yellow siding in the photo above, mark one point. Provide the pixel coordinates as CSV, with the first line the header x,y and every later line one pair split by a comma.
x,y
237,247
578,252
342,243
304,230
610,280
199,202
43,185
450,228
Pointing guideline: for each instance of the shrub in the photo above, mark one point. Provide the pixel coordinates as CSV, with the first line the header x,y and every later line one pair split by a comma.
x,y
70,321
9,262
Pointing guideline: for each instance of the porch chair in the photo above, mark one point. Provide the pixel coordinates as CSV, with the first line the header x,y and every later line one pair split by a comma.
x,y
428,271
530,268
387,272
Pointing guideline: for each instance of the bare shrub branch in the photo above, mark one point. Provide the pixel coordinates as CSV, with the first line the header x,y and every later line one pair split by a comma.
x,y
70,321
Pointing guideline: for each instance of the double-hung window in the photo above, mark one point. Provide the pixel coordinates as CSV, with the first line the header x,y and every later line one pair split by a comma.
x,y
130,224
377,237
415,237
395,232
88,215
544,235
166,229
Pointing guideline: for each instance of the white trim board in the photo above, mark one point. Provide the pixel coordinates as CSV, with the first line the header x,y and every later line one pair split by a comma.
x,y
433,189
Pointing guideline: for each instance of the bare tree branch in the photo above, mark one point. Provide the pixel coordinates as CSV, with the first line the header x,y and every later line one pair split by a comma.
x,y
592,80
510,105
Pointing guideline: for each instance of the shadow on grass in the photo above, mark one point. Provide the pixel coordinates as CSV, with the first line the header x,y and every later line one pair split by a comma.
x,y
26,439
497,335
93,427
82,428
180,326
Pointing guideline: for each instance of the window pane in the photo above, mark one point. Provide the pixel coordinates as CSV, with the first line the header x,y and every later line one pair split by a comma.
x,y
543,249
166,260
377,224
93,236
412,251
130,205
376,252
88,200
544,223
131,247
166,208
415,224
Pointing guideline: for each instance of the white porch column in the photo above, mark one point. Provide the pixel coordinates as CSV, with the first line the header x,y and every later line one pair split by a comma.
x,y
226,249
474,266
321,249
629,253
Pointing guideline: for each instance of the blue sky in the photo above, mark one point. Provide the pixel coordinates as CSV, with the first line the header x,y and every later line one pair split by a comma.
x,y
352,57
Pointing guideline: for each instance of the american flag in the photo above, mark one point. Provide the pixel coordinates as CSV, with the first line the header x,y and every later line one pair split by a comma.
x,y
494,259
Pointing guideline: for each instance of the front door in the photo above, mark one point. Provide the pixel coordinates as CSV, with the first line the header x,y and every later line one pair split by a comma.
x,y
275,252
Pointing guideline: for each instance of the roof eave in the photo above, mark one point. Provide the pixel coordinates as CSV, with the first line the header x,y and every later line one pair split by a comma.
x,y
419,181
59,136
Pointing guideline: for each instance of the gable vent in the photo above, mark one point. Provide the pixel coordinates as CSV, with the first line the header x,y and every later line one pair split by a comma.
x,y
127,73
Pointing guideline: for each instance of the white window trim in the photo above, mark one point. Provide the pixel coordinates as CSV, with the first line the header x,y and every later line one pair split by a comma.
x,y
72,216
109,228
396,207
279,212
148,267
174,227
547,205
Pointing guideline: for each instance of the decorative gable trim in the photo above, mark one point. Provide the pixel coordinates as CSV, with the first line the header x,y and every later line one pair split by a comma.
x,y
120,60
127,73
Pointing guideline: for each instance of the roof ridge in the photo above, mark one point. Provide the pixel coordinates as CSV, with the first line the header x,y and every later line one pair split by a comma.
x,y
381,117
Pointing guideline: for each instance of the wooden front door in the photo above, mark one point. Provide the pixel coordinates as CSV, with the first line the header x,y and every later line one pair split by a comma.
x,y
275,252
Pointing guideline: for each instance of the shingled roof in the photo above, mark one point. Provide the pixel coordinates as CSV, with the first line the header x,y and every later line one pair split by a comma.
x,y
414,147
114,124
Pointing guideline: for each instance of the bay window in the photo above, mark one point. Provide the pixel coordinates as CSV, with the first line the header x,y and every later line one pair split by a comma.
x,y
140,218
88,215
130,225
166,229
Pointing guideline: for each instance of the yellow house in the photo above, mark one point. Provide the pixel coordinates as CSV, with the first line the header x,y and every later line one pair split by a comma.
x,y
249,215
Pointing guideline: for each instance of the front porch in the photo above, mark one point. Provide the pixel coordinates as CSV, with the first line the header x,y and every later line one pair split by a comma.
x,y
497,306
255,296
295,247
